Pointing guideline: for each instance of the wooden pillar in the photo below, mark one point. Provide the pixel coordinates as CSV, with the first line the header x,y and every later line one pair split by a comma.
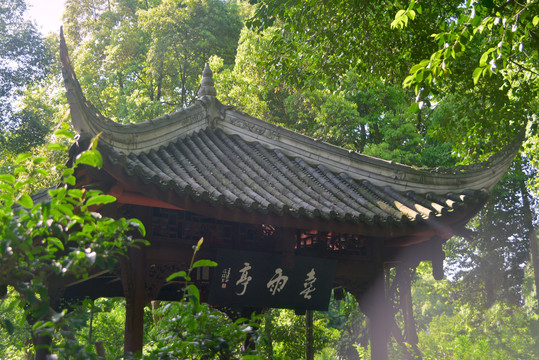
x,y
309,336
133,280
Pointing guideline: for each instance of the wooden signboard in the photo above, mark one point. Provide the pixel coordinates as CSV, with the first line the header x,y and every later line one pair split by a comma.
x,y
253,279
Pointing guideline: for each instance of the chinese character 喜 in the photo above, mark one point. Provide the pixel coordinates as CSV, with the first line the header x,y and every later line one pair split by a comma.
x,y
308,284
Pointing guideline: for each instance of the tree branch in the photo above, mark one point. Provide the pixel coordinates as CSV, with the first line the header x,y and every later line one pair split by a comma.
x,y
522,67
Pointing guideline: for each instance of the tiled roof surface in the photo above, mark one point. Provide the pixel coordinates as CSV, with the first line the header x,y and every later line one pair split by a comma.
x,y
210,158
226,170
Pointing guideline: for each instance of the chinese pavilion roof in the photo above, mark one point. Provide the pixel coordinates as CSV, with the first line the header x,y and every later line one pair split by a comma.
x,y
215,160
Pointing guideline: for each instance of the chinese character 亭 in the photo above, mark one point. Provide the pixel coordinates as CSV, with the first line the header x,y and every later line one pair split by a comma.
x,y
277,281
308,285
244,278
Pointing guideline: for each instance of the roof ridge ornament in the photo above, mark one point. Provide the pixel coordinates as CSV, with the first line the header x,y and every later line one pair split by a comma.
x,y
206,85
208,96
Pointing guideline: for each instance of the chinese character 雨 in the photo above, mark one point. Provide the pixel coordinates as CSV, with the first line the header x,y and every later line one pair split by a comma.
x,y
277,281
308,285
244,278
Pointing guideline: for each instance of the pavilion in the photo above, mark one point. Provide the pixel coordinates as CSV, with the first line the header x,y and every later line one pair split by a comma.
x,y
250,187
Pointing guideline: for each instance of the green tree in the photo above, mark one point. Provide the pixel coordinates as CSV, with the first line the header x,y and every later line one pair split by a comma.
x,y
43,242
306,53
24,60
288,334
319,41
142,59
489,267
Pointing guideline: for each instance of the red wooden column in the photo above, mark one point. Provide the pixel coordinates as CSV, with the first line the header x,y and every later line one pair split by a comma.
x,y
133,280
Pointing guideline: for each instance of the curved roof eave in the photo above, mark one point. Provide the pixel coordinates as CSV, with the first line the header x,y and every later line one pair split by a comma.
x,y
208,112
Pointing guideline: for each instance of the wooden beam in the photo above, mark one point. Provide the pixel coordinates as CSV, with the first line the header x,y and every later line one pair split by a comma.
x,y
238,214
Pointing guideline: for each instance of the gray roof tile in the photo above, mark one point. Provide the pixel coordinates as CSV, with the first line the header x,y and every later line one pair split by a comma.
x,y
227,170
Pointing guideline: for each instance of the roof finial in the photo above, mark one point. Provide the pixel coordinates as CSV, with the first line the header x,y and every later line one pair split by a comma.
x,y
206,85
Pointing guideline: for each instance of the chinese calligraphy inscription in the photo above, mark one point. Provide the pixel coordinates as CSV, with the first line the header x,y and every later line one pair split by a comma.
x,y
225,276
309,284
252,279
244,278
277,281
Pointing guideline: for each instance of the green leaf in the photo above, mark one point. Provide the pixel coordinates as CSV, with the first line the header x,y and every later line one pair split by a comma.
x,y
136,223
91,158
484,59
76,193
408,81
70,180
8,325
7,199
193,291
535,20
56,146
417,67
200,263
476,75
178,274
93,143
64,132
36,325
54,241
65,209
100,200
26,201
39,160
7,188
399,14
21,157
7,178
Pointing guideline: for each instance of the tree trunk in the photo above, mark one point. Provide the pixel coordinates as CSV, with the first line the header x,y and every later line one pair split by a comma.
x,y
100,349
268,329
535,260
42,345
91,327
490,293
532,236
410,331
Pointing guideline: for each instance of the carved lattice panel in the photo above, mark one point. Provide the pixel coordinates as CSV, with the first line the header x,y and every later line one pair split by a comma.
x,y
334,242
188,227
